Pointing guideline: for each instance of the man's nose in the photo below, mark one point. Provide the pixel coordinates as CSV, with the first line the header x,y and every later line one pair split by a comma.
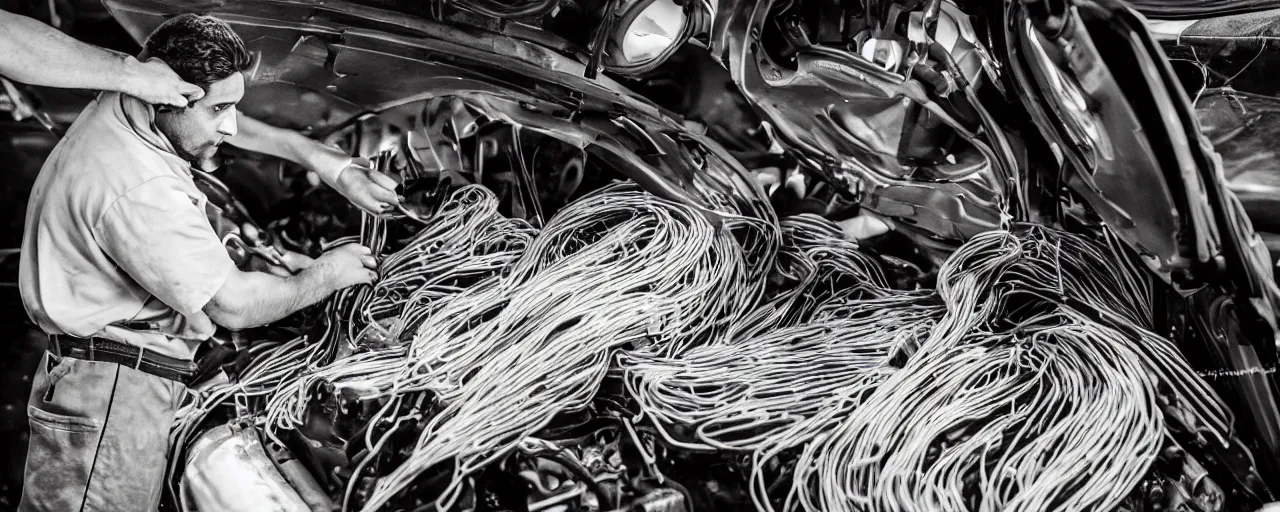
x,y
228,125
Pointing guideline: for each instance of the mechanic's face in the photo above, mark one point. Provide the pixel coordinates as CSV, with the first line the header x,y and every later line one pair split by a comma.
x,y
196,131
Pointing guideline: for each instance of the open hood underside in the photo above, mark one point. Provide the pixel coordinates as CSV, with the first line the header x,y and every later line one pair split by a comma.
x,y
349,58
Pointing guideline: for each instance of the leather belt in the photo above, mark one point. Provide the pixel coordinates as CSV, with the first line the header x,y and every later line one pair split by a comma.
x,y
123,354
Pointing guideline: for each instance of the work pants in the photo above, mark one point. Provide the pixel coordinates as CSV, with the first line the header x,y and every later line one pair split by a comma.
x,y
99,437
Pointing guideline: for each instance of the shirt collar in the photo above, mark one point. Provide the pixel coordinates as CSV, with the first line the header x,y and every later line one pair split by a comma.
x,y
140,117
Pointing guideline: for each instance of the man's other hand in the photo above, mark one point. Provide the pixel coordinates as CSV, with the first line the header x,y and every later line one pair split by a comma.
x,y
153,82
366,188
356,180
348,265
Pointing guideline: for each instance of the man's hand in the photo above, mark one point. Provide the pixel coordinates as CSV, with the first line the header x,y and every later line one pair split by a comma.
x,y
153,82
366,188
355,179
347,265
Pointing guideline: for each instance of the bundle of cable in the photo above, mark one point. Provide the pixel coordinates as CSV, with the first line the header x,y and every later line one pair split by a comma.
x,y
816,264
831,322
602,235
465,244
733,191
1039,389
998,278
740,395
826,244
1036,265
1060,416
271,366
618,268
827,335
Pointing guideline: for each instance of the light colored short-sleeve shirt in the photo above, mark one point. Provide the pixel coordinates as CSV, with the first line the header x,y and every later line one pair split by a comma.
x,y
116,236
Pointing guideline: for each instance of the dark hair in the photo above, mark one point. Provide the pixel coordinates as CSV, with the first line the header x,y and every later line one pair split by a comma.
x,y
200,49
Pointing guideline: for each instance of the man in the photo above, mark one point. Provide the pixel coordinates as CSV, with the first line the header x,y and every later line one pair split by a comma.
x,y
121,267
37,54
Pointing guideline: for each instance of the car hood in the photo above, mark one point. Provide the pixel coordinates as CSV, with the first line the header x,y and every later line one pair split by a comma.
x,y
322,65
355,58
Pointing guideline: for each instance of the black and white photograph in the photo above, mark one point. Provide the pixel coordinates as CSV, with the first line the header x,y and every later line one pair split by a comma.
x,y
639,255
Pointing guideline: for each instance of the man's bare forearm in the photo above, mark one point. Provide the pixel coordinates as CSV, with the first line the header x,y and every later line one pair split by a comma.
x,y
37,54
251,299
370,191
257,136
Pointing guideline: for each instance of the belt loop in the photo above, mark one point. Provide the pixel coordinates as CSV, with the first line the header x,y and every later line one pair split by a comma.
x,y
137,364
57,345
91,358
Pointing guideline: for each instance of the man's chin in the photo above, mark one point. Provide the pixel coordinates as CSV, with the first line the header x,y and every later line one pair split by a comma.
x,y
206,159
194,157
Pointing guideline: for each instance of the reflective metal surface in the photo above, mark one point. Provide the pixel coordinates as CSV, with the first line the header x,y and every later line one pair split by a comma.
x,y
653,31
1244,129
1123,167
868,130
228,469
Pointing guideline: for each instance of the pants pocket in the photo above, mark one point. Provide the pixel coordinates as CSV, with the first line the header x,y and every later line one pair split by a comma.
x,y
60,458
67,412
62,422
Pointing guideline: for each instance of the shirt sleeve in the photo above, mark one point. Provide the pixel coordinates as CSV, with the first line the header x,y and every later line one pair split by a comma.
x,y
158,236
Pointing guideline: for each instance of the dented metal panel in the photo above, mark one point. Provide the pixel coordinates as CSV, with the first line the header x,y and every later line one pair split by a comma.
x,y
228,469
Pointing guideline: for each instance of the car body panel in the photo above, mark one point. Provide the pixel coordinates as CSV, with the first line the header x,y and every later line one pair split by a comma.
x,y
1170,203
345,60
1199,9
228,469
846,120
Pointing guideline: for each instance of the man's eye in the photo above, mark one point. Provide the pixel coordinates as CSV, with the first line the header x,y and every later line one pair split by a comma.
x,y
220,108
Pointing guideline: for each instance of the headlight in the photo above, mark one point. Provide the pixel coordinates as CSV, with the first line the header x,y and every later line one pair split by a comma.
x,y
649,32
646,32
